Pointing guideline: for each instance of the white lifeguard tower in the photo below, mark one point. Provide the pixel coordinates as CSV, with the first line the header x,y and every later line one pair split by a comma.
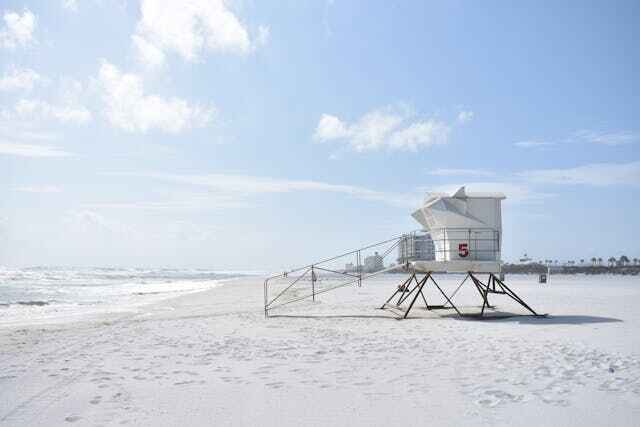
x,y
466,229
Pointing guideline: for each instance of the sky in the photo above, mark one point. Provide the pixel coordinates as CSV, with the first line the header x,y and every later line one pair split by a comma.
x,y
262,135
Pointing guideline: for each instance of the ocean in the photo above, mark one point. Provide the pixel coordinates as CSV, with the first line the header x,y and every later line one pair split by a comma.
x,y
52,294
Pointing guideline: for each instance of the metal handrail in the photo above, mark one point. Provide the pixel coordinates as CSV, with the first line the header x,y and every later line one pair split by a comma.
x,y
341,256
356,275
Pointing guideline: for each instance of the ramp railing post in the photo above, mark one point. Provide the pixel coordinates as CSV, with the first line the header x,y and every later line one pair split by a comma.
x,y
313,284
359,271
266,298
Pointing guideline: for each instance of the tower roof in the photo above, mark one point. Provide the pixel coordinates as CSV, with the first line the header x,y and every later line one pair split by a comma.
x,y
442,210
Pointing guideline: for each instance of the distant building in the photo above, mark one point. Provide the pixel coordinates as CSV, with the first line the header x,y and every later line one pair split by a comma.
x,y
373,263
416,247
525,259
349,268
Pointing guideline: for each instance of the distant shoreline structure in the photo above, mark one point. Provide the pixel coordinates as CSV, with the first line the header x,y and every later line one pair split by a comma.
x,y
536,268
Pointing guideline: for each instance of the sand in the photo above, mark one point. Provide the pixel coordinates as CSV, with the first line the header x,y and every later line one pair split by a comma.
x,y
211,358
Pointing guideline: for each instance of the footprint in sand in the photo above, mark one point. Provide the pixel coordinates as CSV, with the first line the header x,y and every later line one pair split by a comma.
x,y
277,384
492,398
554,401
96,400
363,383
72,418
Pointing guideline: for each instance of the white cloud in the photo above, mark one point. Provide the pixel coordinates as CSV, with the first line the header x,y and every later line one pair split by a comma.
x,y
30,150
229,188
587,136
465,116
18,29
179,201
39,189
461,172
18,79
188,231
330,127
328,32
148,53
71,5
87,221
597,174
394,128
189,29
72,92
607,138
238,187
421,134
264,34
65,106
130,109
34,108
533,144
9,130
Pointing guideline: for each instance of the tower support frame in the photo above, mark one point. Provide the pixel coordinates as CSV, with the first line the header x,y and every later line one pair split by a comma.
x,y
414,285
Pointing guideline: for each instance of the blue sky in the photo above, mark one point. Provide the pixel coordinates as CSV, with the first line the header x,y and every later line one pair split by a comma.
x,y
246,134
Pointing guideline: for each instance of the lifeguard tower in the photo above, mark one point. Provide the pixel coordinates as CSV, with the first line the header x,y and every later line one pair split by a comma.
x,y
466,230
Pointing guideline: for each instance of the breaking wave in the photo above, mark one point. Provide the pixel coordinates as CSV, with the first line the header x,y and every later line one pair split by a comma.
x,y
59,292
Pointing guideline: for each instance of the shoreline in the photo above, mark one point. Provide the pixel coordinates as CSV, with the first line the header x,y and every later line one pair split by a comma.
x,y
102,313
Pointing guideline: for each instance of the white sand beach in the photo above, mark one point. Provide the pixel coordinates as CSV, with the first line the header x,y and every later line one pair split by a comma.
x,y
211,358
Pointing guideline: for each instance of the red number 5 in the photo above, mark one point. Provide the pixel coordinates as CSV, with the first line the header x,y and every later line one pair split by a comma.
x,y
463,250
